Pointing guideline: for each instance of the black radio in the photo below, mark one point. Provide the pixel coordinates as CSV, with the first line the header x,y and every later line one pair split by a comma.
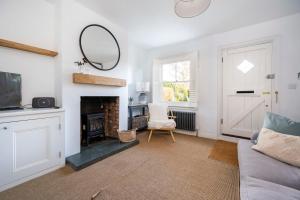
x,y
43,102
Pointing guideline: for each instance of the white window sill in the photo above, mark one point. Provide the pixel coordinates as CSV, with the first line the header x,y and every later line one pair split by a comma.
x,y
184,107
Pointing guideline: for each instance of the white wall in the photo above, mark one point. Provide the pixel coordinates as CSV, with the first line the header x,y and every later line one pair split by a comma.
x,y
74,18
136,61
286,30
22,22
56,25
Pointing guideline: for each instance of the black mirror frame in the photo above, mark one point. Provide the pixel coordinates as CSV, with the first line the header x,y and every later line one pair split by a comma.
x,y
86,59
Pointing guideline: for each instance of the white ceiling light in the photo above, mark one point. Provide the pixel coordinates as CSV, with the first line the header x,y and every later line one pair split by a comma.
x,y
190,8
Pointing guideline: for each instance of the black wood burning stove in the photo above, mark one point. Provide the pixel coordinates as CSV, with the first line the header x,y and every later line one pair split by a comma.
x,y
92,127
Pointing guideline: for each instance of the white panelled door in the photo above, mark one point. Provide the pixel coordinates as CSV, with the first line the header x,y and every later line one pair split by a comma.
x,y
246,88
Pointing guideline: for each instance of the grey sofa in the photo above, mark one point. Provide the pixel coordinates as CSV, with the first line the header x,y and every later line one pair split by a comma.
x,y
265,178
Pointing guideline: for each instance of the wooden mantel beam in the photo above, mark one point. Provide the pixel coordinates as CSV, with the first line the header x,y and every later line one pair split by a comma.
x,y
98,80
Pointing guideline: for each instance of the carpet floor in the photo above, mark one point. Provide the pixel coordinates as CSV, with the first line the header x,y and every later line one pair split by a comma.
x,y
149,171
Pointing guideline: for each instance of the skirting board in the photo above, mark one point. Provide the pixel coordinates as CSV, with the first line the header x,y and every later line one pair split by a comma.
x,y
197,133
228,138
28,178
193,133
208,135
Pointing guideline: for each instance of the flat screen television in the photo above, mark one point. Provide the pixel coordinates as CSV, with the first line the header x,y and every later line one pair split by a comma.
x,y
10,91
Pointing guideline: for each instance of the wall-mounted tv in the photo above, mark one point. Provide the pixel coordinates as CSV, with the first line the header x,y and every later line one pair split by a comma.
x,y
10,91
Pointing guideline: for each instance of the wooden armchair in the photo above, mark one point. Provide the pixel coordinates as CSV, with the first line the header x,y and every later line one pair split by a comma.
x,y
159,119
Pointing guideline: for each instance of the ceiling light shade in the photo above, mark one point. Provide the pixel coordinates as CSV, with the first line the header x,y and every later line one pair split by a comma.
x,y
190,8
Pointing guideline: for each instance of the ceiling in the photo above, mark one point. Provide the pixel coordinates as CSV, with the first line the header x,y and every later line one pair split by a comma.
x,y
153,23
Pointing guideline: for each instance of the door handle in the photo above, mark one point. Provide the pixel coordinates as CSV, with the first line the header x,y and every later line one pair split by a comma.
x,y
276,96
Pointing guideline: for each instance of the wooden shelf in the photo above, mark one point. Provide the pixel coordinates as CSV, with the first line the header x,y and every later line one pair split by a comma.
x,y
98,80
25,47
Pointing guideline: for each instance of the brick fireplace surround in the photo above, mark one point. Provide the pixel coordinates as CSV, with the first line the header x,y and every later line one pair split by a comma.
x,y
109,105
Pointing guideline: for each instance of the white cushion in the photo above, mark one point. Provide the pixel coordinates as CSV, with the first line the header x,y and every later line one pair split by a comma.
x,y
158,111
162,124
283,147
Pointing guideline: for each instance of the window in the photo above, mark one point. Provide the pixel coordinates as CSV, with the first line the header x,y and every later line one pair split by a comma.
x,y
245,66
174,80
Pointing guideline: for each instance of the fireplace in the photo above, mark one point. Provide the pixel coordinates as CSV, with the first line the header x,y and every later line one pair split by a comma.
x,y
99,131
99,119
92,127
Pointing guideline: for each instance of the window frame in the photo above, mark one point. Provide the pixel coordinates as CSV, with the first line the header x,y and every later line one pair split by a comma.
x,y
158,79
175,80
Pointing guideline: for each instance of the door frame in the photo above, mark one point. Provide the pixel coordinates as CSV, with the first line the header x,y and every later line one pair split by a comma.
x,y
275,63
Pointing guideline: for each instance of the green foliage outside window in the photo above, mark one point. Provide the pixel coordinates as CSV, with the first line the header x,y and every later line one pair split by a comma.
x,y
176,81
176,91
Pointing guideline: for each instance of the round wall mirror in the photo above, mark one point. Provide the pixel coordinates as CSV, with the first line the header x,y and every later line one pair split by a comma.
x,y
99,47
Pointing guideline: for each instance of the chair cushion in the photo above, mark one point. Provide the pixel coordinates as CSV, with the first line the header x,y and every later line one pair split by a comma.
x,y
158,111
162,124
258,165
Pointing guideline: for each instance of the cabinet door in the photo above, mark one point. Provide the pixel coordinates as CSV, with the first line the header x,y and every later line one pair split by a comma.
x,y
35,146
6,154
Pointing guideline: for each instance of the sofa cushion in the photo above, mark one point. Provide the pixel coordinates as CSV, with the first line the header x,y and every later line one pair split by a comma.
x,y
258,165
281,124
256,189
283,147
254,137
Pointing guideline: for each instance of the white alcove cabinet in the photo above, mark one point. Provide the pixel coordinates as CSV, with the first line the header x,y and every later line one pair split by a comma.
x,y
31,144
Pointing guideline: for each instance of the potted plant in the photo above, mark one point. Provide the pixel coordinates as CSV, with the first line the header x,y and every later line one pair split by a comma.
x,y
130,100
